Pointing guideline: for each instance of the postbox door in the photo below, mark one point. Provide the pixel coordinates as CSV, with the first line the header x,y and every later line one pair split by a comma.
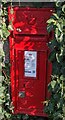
x,y
31,68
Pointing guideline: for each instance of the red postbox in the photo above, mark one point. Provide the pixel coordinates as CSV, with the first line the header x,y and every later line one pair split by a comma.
x,y
30,69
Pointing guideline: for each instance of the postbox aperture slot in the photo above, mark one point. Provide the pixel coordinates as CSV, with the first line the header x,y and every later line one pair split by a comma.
x,y
30,64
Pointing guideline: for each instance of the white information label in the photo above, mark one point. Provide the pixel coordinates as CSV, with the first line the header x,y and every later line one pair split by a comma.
x,y
30,63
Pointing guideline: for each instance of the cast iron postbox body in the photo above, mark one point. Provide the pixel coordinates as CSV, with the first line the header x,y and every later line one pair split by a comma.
x,y
30,68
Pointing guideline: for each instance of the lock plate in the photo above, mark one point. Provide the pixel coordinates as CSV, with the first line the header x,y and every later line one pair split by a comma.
x,y
22,94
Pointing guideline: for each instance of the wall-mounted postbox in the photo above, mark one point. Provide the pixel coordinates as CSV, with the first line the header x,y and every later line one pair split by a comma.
x,y
30,68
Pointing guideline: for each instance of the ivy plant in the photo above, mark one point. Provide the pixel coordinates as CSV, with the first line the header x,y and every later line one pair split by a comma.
x,y
55,107
4,78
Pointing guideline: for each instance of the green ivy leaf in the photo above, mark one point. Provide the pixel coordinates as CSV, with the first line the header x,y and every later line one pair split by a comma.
x,y
59,26
63,22
58,3
62,78
51,20
55,15
10,27
59,57
63,8
64,109
11,11
53,83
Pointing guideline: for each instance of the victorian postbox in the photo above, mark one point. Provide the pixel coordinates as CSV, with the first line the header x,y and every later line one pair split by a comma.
x,y
30,68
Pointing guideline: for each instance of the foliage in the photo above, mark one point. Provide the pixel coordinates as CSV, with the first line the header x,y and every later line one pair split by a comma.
x,y
55,107
4,80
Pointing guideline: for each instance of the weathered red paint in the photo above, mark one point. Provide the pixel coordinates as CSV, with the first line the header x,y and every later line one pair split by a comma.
x,y
29,34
